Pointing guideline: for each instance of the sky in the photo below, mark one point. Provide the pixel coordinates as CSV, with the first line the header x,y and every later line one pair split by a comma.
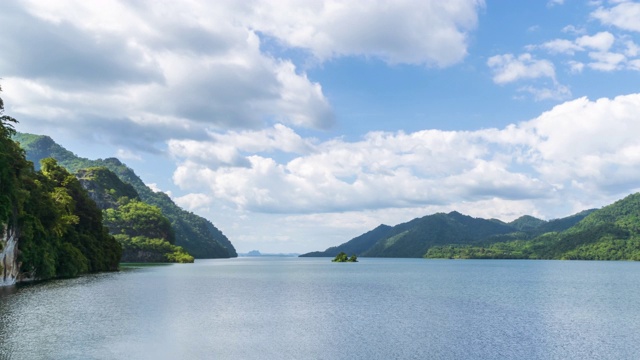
x,y
297,125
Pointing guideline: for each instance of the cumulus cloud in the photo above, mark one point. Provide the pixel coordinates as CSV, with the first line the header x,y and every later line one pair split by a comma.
x,y
576,150
561,46
606,61
604,52
556,92
509,68
601,41
228,149
427,32
624,15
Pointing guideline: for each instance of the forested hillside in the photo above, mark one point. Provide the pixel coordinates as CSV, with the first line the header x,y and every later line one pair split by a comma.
x,y
198,236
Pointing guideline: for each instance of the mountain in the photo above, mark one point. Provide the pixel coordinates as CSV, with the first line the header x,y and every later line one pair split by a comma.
x,y
610,233
416,237
196,235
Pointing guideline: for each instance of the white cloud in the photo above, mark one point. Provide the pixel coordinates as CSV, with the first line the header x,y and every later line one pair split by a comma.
x,y
561,46
601,41
606,61
575,67
194,201
579,149
508,68
623,15
634,64
556,92
124,154
573,30
632,49
427,32
227,149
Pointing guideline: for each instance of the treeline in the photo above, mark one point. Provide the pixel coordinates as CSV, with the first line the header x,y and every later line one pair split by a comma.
x,y
60,228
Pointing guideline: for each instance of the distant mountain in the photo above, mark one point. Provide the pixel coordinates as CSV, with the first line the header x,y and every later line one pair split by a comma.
x,y
416,237
256,253
195,234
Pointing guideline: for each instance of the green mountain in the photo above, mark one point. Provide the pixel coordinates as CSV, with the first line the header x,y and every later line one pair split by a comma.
x,y
441,231
610,233
198,236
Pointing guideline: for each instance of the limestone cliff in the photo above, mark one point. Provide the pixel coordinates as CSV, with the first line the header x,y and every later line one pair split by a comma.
x,y
9,267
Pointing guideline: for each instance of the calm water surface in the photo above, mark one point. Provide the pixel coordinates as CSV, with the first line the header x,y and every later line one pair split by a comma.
x,y
310,308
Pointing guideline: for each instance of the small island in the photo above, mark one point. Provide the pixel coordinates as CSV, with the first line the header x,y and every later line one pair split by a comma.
x,y
342,257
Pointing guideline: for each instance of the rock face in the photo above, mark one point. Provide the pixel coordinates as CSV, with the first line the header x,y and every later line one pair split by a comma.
x,y
9,267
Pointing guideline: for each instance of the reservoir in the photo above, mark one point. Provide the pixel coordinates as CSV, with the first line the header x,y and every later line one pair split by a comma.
x,y
311,308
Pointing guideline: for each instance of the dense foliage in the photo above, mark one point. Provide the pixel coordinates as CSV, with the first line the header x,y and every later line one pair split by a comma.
x,y
61,228
195,234
343,257
135,218
144,249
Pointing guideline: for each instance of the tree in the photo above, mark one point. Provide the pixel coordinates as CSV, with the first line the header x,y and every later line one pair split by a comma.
x,y
342,257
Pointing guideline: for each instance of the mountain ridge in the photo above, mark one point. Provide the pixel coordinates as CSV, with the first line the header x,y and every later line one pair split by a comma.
x,y
416,237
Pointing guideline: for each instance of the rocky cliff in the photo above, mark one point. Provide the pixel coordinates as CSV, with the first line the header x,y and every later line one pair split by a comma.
x,y
9,267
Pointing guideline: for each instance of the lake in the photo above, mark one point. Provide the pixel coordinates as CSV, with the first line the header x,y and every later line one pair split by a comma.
x,y
311,308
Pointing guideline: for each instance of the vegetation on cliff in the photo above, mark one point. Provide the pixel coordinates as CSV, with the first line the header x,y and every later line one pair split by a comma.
x,y
145,234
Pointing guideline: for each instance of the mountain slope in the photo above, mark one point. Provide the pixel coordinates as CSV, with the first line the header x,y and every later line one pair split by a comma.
x,y
195,234
357,245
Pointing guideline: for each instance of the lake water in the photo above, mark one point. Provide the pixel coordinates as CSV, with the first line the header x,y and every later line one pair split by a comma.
x,y
310,308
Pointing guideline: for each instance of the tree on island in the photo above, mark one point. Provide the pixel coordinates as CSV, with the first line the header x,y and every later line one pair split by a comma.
x,y
342,257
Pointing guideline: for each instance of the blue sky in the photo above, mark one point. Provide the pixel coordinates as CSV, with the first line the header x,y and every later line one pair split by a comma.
x,y
297,125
